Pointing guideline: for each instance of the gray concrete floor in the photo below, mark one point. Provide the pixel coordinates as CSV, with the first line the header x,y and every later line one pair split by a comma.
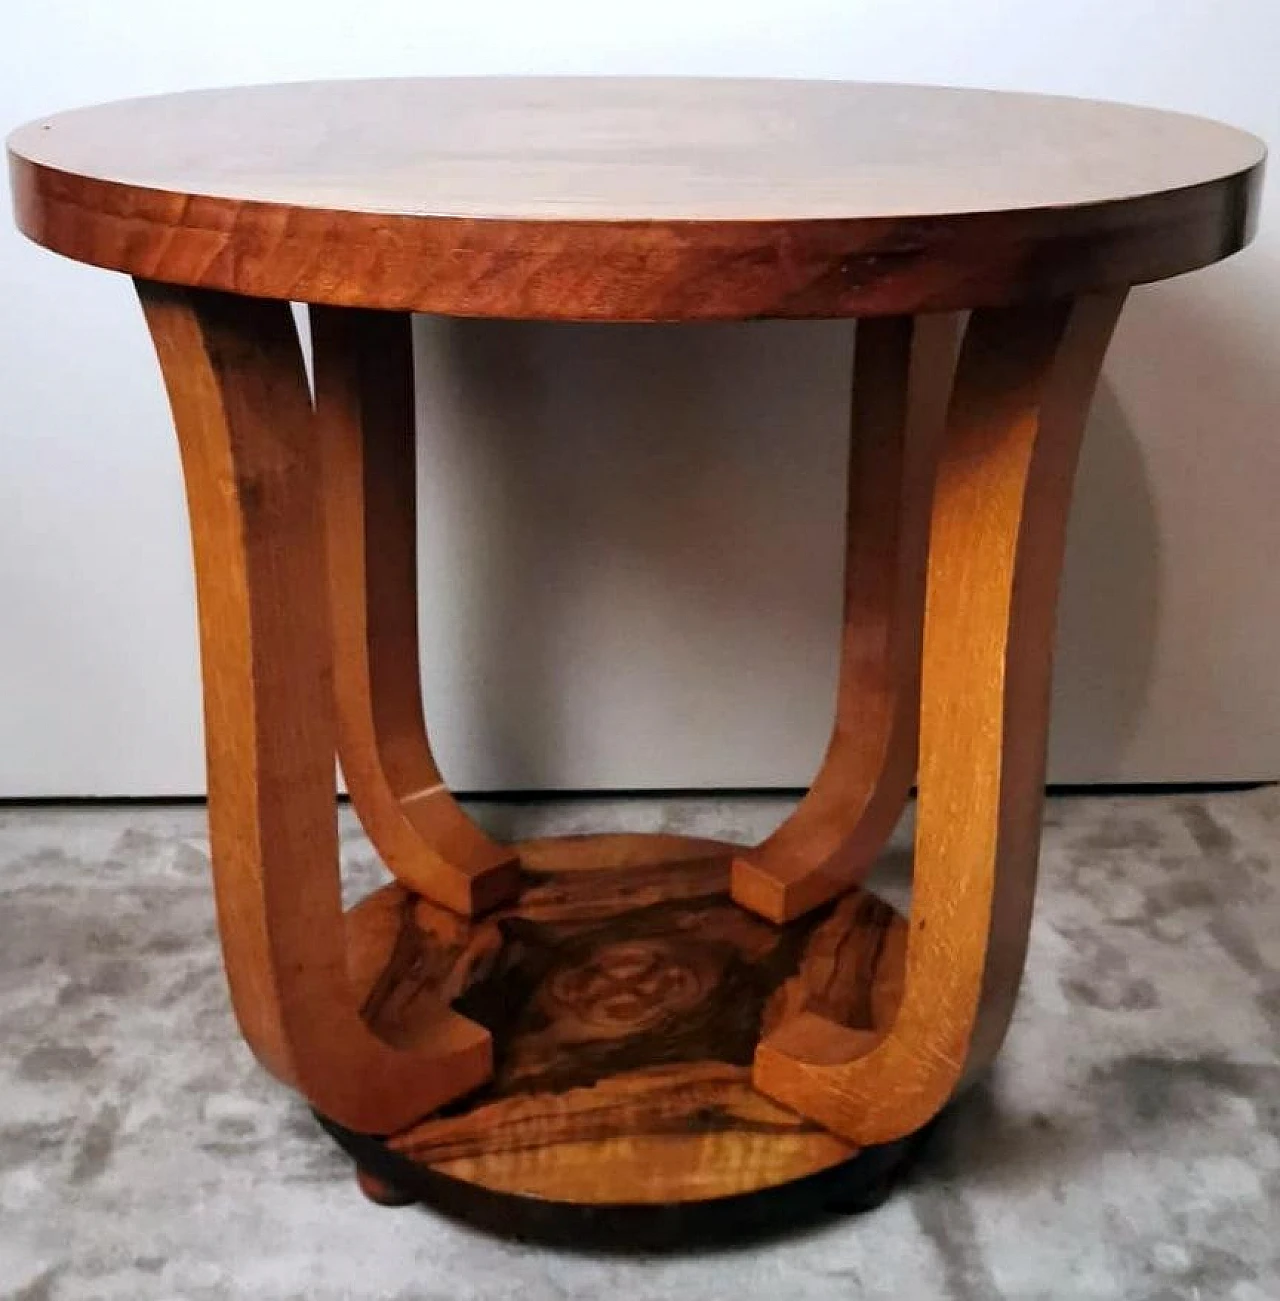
x,y
1126,1146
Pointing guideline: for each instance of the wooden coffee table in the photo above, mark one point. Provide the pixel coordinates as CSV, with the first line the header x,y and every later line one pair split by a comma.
x,y
594,1029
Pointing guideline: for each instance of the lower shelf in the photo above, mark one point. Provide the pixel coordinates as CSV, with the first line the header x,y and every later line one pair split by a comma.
x,y
626,994
851,1187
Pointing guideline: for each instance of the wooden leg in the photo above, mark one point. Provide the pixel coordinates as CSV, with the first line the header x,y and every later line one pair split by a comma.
x,y
365,419
234,373
902,375
1025,379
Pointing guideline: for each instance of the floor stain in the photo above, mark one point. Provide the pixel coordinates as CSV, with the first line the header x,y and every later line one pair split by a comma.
x,y
49,1062
97,1143
946,1221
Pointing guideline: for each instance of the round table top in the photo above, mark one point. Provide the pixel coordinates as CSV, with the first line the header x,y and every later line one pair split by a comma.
x,y
636,198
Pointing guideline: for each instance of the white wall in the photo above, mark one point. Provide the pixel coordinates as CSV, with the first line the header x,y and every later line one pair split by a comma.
x,y
631,543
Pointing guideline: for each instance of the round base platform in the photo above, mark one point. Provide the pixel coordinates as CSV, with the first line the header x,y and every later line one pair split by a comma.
x,y
860,1184
626,994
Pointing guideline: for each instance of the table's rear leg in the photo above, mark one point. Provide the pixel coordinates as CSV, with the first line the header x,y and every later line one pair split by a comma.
x,y
1025,379
234,373
903,368
365,420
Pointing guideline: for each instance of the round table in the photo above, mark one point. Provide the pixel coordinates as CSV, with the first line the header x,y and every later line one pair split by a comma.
x,y
624,1031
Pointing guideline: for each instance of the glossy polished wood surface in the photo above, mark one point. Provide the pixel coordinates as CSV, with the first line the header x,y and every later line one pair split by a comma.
x,y
903,368
364,423
637,199
234,374
626,994
1023,386
625,1021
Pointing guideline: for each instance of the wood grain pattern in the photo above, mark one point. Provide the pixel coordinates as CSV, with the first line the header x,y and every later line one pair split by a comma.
x,y
234,374
636,200
902,381
850,1187
1025,380
625,1002
643,149
364,399
619,1030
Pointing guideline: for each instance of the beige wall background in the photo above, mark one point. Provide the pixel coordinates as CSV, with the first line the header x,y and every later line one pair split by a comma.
x,y
631,535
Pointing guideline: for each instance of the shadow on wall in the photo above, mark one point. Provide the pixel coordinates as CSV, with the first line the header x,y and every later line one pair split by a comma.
x,y
1196,366
632,535
632,540
1108,611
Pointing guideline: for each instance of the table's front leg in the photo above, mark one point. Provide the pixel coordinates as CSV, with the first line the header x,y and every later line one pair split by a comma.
x,y
365,422
234,374
1025,379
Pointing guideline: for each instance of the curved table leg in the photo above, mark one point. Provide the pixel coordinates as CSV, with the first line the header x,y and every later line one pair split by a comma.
x,y
234,374
365,421
1025,379
902,376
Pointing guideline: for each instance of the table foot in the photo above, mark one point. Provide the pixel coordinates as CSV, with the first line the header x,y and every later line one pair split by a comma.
x,y
380,1192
